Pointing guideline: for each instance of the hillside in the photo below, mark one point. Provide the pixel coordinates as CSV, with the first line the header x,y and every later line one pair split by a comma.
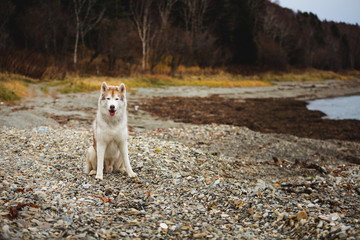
x,y
48,39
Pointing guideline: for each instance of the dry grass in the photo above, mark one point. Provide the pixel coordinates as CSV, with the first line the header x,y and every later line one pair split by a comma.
x,y
312,75
6,94
79,84
9,77
18,87
12,86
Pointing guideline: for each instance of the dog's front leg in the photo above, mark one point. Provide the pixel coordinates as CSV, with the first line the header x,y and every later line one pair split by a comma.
x,y
124,156
100,153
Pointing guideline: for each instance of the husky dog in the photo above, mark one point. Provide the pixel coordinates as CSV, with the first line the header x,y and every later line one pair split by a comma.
x,y
109,151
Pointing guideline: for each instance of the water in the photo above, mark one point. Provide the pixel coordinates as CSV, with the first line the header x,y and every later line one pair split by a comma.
x,y
338,108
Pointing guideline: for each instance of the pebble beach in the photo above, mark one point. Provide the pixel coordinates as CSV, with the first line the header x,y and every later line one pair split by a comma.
x,y
193,181
203,182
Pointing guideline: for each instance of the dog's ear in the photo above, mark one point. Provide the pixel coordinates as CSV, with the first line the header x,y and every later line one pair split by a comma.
x,y
103,87
122,89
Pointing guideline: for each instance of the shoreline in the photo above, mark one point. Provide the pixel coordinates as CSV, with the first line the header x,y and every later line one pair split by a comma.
x,y
293,90
265,115
79,109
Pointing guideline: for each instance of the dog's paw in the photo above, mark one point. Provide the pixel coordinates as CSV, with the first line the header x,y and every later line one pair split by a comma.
x,y
132,174
98,177
109,169
92,172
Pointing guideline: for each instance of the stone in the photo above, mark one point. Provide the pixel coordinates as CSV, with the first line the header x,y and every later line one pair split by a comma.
x,y
163,226
301,215
199,235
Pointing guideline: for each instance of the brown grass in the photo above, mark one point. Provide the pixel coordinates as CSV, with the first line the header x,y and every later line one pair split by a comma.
x,y
13,85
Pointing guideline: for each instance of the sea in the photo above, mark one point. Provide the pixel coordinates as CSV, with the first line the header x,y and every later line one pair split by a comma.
x,y
337,108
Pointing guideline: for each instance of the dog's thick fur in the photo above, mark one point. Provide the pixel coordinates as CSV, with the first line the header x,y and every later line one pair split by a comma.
x,y
110,152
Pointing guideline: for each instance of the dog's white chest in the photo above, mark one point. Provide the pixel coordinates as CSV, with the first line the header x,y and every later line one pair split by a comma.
x,y
116,134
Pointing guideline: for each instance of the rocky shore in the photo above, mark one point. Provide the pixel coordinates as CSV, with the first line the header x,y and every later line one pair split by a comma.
x,y
208,181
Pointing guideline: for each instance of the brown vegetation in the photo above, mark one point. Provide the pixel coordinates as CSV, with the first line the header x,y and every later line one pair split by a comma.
x,y
285,116
48,39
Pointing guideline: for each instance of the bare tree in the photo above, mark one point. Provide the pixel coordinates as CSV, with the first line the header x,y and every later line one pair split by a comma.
x,y
277,23
278,41
194,13
84,21
117,40
141,10
6,10
165,7
160,43
177,48
194,17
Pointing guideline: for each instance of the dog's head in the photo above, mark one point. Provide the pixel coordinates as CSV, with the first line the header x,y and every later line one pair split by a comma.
x,y
112,98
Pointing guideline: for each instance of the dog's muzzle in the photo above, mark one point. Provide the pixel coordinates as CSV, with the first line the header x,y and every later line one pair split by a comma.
x,y
112,110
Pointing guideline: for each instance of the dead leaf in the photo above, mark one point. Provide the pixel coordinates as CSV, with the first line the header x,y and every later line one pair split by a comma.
x,y
20,190
14,211
108,200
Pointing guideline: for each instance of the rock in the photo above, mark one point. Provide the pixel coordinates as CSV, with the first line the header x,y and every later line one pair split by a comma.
x,y
301,215
134,211
330,218
257,216
334,217
343,235
163,226
199,235
40,195
281,216
320,225
302,221
134,223
80,236
6,231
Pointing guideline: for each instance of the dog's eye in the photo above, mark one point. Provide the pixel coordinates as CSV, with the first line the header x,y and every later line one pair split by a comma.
x,y
108,98
117,99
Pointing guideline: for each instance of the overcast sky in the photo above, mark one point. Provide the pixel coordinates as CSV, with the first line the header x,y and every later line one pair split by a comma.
x,y
332,10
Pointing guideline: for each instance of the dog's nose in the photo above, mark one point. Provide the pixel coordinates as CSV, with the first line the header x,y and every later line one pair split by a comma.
x,y
112,107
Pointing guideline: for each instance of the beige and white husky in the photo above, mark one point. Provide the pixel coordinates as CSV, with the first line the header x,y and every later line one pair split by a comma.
x,y
110,152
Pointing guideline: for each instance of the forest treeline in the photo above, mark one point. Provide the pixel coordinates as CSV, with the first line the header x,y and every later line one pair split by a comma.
x,y
49,38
